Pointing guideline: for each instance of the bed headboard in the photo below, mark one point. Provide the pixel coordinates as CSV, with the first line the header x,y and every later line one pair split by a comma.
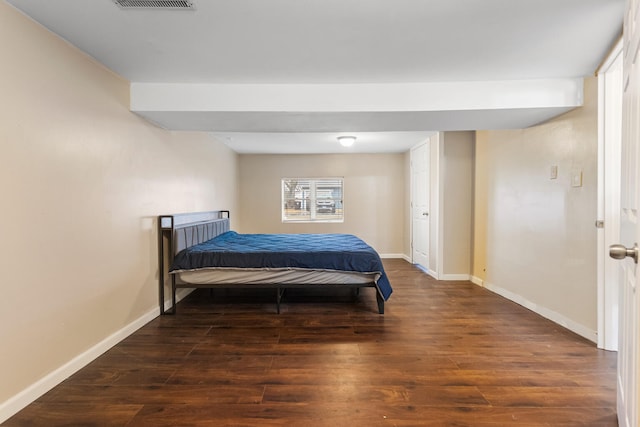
x,y
189,229
180,231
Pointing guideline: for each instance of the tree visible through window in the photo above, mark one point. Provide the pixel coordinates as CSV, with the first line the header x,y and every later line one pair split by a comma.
x,y
312,199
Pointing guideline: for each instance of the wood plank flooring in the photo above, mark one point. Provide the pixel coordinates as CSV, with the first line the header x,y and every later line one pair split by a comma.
x,y
445,353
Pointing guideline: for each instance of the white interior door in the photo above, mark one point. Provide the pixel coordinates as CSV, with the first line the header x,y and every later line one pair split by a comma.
x,y
420,204
627,383
608,232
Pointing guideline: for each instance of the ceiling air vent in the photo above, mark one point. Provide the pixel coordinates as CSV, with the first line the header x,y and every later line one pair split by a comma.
x,y
155,4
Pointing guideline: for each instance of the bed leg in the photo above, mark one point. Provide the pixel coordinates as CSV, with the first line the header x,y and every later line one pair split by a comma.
x,y
380,303
279,292
172,310
161,297
355,292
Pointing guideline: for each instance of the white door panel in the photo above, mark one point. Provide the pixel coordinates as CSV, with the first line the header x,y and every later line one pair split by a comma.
x,y
420,204
609,187
627,376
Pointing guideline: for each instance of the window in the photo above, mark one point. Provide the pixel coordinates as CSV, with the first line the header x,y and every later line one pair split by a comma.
x,y
312,199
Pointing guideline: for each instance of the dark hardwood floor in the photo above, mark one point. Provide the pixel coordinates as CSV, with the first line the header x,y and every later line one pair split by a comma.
x,y
445,353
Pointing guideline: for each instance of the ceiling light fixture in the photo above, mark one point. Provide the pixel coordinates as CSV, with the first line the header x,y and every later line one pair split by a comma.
x,y
346,141
155,4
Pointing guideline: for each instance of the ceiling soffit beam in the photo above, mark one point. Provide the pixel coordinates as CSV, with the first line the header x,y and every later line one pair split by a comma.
x,y
446,96
170,104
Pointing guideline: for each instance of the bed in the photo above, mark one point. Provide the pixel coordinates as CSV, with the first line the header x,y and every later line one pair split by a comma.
x,y
199,250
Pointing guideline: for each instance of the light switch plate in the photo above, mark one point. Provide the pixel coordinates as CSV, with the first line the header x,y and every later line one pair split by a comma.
x,y
553,172
576,178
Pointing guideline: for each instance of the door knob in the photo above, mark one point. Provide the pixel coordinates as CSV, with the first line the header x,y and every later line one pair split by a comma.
x,y
620,252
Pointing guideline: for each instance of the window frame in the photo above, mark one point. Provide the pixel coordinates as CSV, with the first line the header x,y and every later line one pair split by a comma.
x,y
311,201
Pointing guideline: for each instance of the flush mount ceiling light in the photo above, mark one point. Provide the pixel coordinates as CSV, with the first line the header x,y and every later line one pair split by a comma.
x,y
346,141
155,4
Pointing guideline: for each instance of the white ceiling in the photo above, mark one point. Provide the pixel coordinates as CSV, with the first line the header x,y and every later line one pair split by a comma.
x,y
322,142
339,42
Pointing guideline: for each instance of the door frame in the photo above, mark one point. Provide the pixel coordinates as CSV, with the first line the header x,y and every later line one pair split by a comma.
x,y
608,210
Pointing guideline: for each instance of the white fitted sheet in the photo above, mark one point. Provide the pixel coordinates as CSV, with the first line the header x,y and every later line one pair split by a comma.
x,y
270,276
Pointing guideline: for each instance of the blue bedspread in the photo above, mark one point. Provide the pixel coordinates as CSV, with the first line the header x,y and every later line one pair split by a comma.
x,y
320,251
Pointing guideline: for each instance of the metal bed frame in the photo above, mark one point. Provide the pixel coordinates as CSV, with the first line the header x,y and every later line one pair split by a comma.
x,y
180,231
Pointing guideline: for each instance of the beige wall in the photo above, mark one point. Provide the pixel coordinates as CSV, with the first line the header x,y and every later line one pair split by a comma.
x,y
406,231
452,158
456,174
374,195
480,206
82,180
534,236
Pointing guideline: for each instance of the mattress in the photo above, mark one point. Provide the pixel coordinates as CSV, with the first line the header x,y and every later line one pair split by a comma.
x,y
283,276
328,252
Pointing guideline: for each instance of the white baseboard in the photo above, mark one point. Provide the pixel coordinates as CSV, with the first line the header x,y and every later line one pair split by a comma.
x,y
14,404
422,267
393,256
453,277
444,277
558,318
477,281
180,295
426,270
